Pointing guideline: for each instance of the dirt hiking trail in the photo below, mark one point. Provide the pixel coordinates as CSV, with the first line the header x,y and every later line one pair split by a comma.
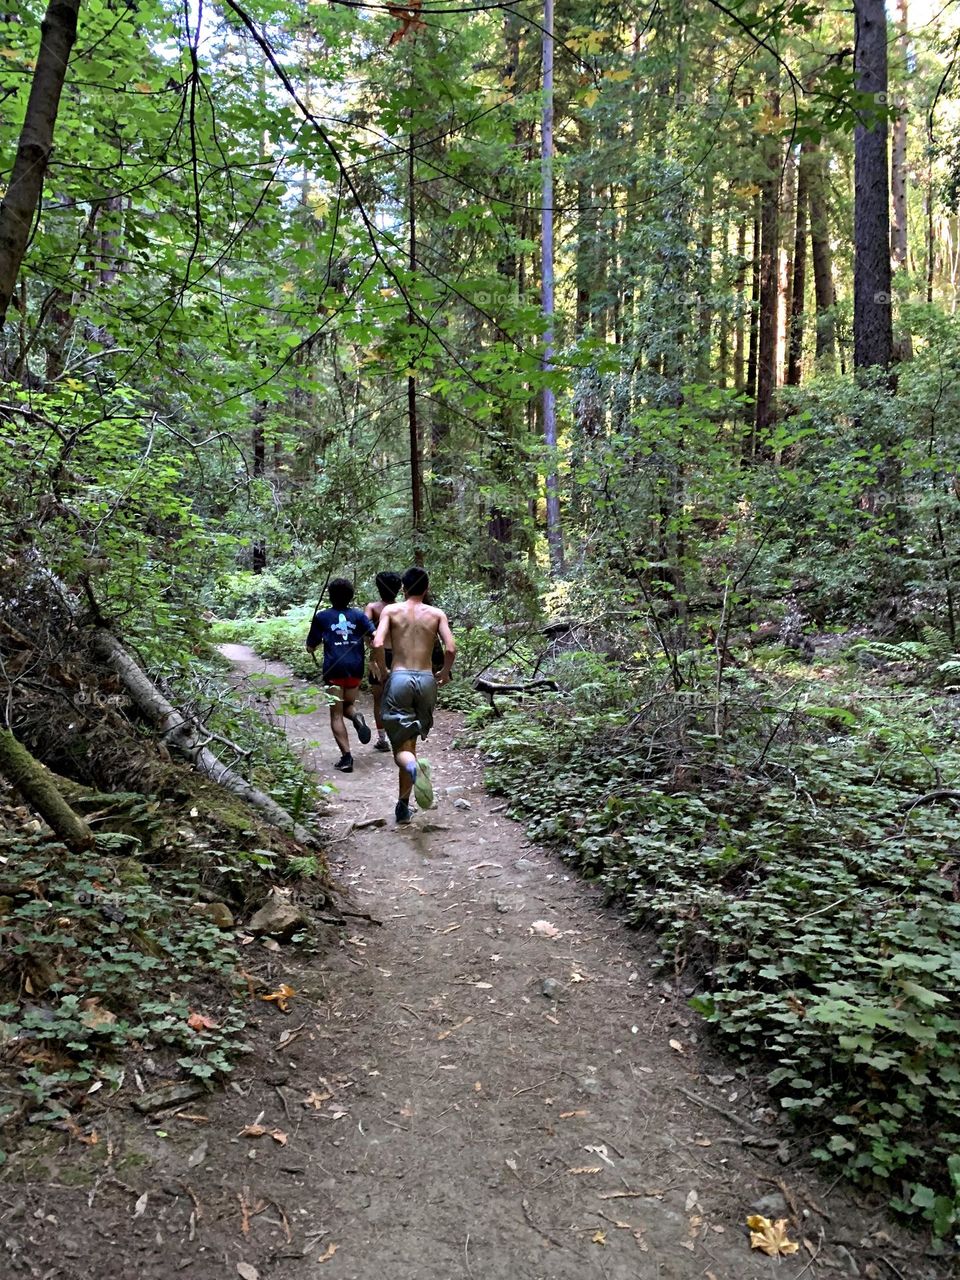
x,y
490,1085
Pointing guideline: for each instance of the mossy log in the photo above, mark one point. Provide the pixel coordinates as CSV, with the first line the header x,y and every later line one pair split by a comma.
x,y
39,790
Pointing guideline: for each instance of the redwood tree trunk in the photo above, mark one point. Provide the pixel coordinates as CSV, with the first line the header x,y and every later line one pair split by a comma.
x,y
872,322
22,197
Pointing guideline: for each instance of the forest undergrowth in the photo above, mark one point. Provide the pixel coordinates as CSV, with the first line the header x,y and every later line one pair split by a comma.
x,y
789,833
121,967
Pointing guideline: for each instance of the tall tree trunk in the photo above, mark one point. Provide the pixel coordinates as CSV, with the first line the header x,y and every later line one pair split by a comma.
x,y
751,387
898,175
822,255
799,283
416,462
258,442
930,239
705,320
35,783
554,531
739,375
22,197
872,312
898,154
769,273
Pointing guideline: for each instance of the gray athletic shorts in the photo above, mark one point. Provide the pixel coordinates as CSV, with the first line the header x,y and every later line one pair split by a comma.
x,y
409,699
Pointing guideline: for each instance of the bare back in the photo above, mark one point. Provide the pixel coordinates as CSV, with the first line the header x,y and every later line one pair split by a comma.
x,y
410,629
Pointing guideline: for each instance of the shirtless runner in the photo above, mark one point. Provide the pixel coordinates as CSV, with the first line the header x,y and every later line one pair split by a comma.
x,y
410,691
388,584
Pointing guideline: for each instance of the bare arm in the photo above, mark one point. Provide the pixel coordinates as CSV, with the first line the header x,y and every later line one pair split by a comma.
x,y
377,646
449,649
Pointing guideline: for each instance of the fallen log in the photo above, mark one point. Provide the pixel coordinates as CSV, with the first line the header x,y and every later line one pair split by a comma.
x,y
38,788
185,737
492,687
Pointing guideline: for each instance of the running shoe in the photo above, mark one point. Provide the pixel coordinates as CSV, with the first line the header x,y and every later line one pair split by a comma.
x,y
345,764
422,785
362,728
381,745
402,812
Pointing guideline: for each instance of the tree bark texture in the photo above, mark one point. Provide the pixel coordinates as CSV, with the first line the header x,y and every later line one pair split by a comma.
x,y
554,532
872,313
22,198
799,283
769,273
822,256
898,154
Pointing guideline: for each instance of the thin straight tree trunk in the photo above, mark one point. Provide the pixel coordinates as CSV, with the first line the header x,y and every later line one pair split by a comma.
x,y
22,197
259,555
740,281
799,283
416,478
872,312
705,325
751,387
898,154
788,217
931,243
826,348
769,263
554,532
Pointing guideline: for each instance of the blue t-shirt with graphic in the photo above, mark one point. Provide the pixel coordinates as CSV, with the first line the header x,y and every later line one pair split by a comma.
x,y
341,631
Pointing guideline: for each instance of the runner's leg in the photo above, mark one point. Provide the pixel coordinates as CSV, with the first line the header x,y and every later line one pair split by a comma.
x,y
337,725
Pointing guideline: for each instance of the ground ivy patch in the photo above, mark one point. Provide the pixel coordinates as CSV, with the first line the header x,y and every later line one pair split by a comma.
x,y
787,864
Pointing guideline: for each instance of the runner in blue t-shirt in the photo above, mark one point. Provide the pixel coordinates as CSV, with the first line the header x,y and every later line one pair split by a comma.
x,y
344,632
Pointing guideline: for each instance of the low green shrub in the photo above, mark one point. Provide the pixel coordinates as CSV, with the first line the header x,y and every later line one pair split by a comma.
x,y
786,864
98,959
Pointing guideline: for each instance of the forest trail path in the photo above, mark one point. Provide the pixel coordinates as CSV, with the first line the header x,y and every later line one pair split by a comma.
x,y
462,1123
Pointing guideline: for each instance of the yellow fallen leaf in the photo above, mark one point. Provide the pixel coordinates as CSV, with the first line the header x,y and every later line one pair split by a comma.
x,y
600,1238
770,1237
568,1115
586,1168
331,1250
316,1100
281,996
675,1044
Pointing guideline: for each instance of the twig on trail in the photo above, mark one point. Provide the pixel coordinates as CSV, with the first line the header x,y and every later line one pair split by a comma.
x,y
466,1256
896,1270
539,1230
517,1092
197,1206
813,1258
409,1010
286,1105
713,1106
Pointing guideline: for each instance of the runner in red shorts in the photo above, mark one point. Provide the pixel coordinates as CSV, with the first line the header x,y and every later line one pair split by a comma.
x,y
344,632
